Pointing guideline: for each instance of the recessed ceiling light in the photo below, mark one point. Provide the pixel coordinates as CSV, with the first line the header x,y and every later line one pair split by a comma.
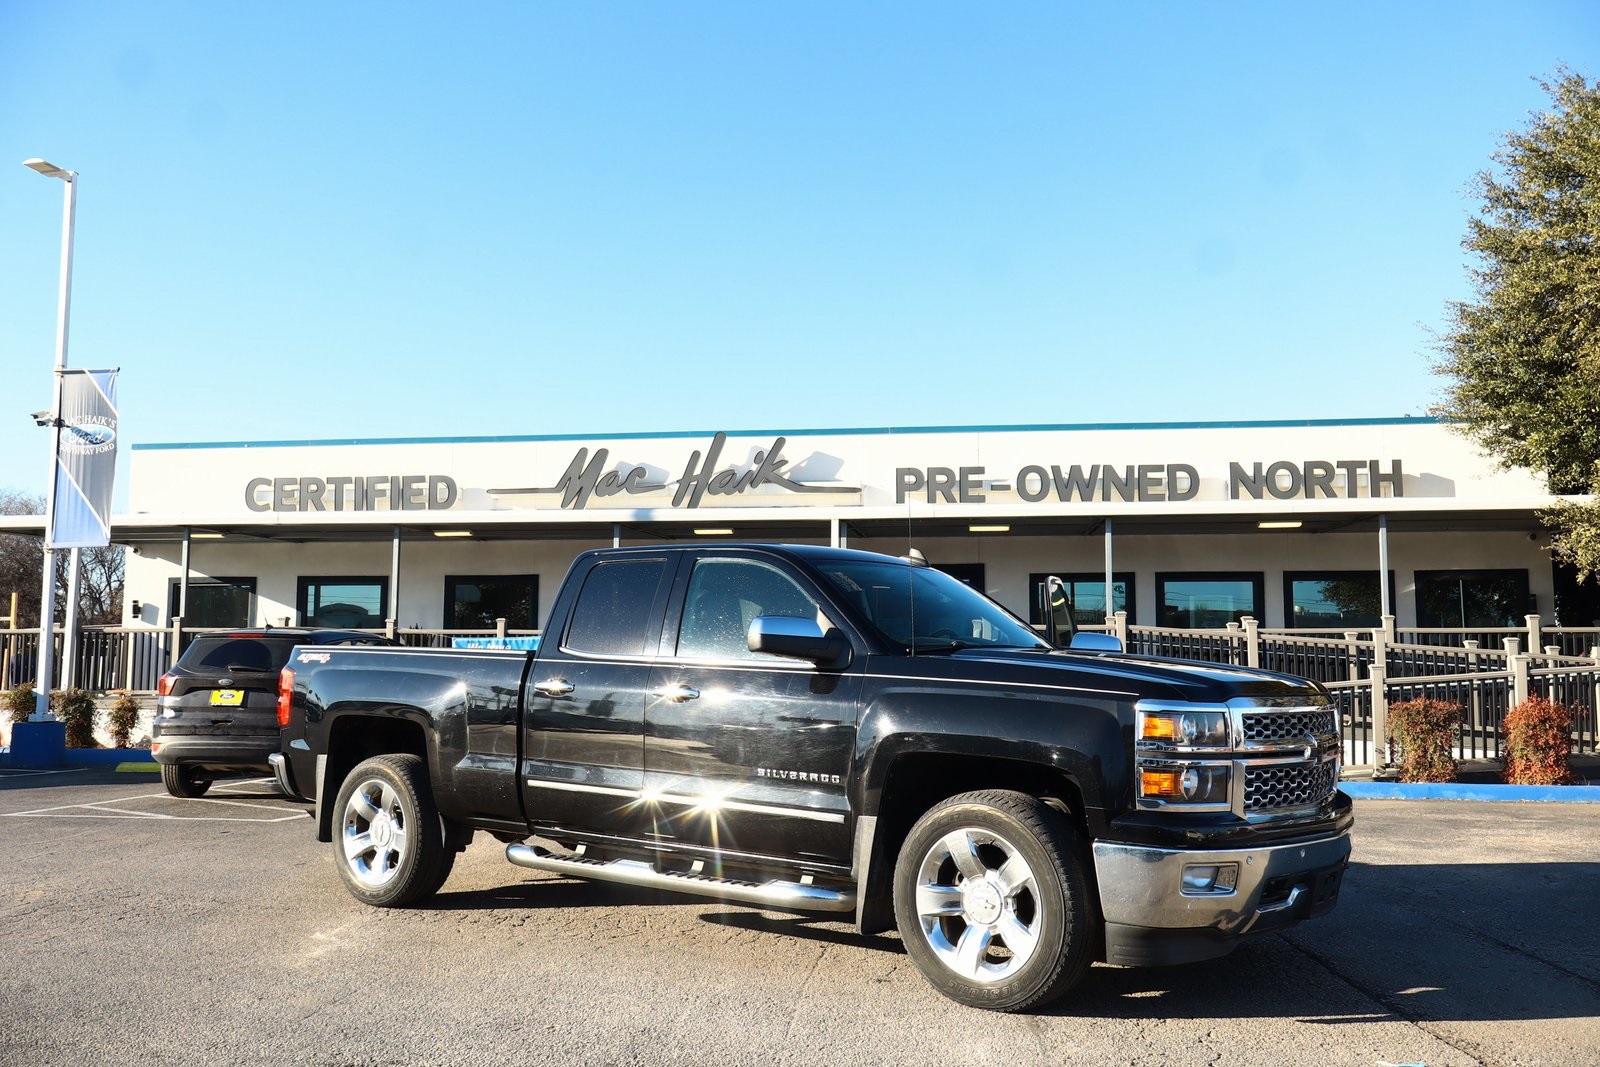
x,y
1289,524
714,531
452,533
196,535
997,528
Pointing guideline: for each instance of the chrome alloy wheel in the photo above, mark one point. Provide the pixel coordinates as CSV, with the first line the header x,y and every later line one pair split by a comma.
x,y
374,836
979,905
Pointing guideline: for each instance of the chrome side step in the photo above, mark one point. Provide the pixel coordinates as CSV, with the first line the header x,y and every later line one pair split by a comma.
x,y
799,896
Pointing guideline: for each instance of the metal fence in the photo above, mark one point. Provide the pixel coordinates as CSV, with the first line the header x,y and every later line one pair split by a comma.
x,y
1365,671
1210,646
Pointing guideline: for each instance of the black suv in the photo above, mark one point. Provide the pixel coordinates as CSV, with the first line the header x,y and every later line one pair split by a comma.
x,y
217,710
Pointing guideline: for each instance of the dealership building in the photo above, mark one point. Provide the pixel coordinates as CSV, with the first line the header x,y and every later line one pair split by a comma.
x,y
1311,524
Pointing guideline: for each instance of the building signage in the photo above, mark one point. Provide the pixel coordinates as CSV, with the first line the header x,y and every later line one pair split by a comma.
x,y
372,492
1146,482
590,480
586,477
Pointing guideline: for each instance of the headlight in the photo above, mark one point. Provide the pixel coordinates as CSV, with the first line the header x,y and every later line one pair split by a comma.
x,y
1184,783
1184,729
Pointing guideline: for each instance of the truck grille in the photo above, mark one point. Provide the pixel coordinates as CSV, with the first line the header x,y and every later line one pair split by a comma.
x,y
1284,725
1292,785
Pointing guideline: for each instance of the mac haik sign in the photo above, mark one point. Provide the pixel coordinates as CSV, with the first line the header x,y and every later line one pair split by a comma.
x,y
587,478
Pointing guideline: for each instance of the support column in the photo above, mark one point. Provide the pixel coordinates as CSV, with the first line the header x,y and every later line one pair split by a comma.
x,y
393,620
1111,603
834,533
183,582
616,535
1386,608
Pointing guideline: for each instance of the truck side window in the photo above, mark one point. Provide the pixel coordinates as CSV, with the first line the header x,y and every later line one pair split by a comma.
x,y
612,616
724,595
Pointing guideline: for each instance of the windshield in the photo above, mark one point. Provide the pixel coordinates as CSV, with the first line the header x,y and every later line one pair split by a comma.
x,y
926,610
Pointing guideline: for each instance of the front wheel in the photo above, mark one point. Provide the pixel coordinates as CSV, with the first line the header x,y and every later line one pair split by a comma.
x,y
992,901
389,842
182,781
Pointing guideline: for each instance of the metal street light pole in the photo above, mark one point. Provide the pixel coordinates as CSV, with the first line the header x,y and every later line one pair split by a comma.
x,y
47,600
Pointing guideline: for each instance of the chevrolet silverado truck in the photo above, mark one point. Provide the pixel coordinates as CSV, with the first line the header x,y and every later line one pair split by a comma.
x,y
834,731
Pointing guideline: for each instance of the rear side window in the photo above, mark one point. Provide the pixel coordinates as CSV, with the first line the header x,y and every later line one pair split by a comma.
x,y
612,616
235,654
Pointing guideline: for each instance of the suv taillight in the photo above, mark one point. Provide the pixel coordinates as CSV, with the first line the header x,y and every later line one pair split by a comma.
x,y
164,685
285,696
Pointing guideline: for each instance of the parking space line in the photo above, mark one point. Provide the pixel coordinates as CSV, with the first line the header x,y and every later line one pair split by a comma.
x,y
102,809
96,813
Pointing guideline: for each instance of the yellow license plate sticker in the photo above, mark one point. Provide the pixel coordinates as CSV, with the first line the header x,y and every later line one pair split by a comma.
x,y
229,697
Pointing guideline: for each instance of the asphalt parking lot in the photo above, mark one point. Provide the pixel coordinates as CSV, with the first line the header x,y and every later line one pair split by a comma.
x,y
138,928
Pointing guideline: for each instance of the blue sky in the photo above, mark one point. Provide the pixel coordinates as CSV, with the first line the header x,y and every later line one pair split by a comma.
x,y
361,220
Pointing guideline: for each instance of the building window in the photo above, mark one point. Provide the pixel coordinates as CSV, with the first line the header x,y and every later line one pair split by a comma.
x,y
1207,600
1087,593
1452,599
970,573
1334,600
475,602
343,603
215,602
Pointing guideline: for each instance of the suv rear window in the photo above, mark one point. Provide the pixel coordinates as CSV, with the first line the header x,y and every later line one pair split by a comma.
x,y
225,653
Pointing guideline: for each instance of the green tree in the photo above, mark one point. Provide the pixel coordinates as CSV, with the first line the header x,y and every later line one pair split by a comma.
x,y
1524,356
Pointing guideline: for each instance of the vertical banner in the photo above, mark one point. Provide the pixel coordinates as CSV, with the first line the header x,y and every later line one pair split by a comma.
x,y
86,459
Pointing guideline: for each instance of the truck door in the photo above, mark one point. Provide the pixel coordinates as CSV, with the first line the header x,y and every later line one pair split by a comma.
x,y
747,752
583,748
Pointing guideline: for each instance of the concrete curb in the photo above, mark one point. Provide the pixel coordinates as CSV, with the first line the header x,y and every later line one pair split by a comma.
x,y
1544,794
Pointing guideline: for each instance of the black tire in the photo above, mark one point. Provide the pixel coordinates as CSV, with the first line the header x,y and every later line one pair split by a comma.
x,y
387,836
983,870
183,781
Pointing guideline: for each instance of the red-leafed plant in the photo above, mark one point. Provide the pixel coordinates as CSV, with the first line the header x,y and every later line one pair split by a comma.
x,y
1425,731
1538,743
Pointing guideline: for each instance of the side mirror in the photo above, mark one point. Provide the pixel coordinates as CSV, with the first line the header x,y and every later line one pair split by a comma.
x,y
797,638
1092,641
1056,606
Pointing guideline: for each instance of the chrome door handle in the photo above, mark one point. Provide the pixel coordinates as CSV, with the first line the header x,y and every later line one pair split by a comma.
x,y
554,687
677,694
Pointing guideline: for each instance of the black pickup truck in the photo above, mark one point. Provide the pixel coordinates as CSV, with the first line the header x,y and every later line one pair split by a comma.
x,y
828,730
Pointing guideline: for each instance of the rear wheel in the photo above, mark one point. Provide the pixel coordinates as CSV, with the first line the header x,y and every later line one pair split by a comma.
x,y
184,781
390,842
992,901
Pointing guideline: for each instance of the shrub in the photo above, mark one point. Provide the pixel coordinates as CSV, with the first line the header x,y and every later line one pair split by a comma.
x,y
75,707
124,717
1538,743
19,702
1425,729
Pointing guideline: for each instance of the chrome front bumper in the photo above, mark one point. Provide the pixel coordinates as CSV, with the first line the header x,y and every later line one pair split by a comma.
x,y
1152,917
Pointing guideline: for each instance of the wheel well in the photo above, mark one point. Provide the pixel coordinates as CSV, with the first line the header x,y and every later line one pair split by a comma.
x,y
354,738
919,781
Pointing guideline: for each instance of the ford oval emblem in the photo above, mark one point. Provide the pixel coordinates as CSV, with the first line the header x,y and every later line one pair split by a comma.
x,y
91,434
